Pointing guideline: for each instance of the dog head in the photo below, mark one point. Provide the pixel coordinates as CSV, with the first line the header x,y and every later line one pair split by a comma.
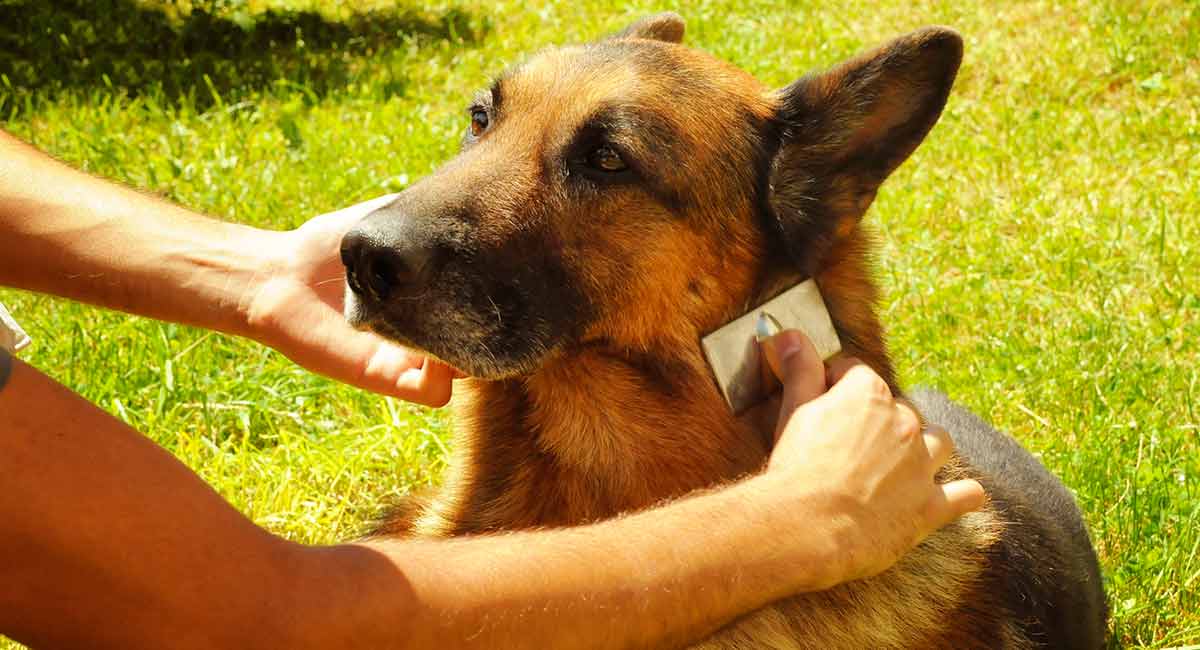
x,y
634,192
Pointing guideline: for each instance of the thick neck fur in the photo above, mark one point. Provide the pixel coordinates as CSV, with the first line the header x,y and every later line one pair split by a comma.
x,y
601,431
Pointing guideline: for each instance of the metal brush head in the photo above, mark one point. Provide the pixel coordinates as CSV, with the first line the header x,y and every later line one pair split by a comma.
x,y
733,352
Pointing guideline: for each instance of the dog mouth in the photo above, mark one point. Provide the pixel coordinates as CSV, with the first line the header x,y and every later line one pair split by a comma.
x,y
480,342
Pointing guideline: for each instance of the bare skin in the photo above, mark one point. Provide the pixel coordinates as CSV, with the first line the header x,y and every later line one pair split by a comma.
x,y
80,237
106,540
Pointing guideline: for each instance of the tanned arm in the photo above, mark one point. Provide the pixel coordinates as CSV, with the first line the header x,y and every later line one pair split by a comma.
x,y
66,233
109,541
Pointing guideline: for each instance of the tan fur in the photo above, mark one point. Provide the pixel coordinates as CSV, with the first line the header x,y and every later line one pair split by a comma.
x,y
907,607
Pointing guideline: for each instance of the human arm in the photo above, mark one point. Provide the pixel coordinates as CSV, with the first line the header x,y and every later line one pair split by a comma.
x,y
69,234
111,542
849,489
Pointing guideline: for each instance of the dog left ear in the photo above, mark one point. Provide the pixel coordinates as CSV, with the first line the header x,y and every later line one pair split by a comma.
x,y
845,130
667,26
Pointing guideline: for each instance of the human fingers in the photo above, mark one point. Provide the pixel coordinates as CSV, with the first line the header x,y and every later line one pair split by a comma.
x,y
793,358
337,223
359,210
906,421
951,501
939,444
365,360
837,367
857,378
763,416
431,384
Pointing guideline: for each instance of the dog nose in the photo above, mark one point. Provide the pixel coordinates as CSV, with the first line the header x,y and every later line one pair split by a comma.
x,y
377,268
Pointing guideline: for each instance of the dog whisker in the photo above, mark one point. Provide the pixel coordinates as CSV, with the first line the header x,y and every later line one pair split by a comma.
x,y
496,308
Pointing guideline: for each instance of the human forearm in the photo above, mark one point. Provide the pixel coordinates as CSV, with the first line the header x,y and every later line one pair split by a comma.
x,y
849,489
109,542
84,238
655,579
90,507
69,234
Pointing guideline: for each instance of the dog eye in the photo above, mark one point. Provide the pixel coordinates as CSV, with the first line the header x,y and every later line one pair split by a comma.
x,y
479,122
606,159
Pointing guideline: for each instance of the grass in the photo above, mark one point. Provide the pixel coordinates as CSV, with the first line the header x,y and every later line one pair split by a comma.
x,y
1039,252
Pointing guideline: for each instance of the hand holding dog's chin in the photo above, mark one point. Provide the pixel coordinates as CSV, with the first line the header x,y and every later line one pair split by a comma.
x,y
857,464
295,306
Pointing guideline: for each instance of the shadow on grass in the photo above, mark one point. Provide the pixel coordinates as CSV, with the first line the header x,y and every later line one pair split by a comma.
x,y
206,56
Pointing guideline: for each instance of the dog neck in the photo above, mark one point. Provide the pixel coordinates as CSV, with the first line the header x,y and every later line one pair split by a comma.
x,y
601,430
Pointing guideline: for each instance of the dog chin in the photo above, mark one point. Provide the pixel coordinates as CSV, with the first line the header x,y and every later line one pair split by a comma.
x,y
478,363
474,358
470,358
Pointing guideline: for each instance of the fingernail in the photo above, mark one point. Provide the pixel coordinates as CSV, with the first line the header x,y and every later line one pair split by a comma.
x,y
765,327
777,345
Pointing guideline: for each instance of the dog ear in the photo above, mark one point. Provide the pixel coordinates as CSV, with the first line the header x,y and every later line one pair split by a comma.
x,y
667,26
843,131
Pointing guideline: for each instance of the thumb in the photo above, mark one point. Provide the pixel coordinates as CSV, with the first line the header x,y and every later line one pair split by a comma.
x,y
366,360
953,500
794,359
345,218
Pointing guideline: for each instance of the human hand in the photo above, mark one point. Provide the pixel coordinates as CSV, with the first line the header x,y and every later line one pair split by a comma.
x,y
295,306
867,464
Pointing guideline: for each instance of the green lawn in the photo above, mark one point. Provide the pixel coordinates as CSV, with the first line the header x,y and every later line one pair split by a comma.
x,y
1039,251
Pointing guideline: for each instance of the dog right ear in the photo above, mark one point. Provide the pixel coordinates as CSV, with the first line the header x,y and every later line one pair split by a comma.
x,y
667,26
843,131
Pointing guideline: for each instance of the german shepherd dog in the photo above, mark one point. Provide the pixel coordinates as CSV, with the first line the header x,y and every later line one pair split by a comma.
x,y
615,202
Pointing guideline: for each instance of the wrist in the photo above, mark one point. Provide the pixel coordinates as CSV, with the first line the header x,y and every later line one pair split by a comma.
x,y
218,270
816,529
130,252
247,261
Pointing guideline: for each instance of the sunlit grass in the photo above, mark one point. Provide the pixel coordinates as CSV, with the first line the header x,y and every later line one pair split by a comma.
x,y
1039,252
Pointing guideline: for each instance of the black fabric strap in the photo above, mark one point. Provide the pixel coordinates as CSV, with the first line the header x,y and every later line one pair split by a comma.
x,y
6,364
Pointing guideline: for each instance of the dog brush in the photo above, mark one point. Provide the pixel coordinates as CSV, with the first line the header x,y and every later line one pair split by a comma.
x,y
733,352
